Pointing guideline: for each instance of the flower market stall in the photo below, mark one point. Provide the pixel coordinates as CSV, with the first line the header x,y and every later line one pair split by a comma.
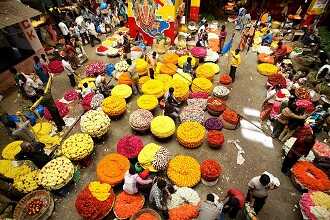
x,y
95,123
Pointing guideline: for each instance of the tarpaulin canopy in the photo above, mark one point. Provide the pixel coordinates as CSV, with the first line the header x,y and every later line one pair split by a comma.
x,y
12,12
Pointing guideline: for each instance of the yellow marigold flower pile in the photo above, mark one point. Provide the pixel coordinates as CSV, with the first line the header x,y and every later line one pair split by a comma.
x,y
167,68
184,171
153,87
207,70
77,146
147,155
141,65
147,102
201,85
190,134
321,199
183,59
42,131
170,58
10,151
101,191
27,183
181,90
166,79
95,123
122,90
142,80
8,170
114,106
183,77
267,69
162,126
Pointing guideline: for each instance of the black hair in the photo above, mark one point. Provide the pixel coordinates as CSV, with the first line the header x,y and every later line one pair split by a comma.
x,y
161,183
171,189
264,179
43,56
85,84
206,25
129,61
13,70
171,90
154,54
223,27
292,106
36,59
210,197
280,43
131,170
310,139
237,50
189,59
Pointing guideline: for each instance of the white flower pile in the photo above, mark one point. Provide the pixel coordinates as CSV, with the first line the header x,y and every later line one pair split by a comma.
x,y
121,66
95,123
220,91
183,195
112,51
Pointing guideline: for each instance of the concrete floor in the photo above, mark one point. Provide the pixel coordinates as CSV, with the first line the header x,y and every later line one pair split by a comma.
x,y
261,152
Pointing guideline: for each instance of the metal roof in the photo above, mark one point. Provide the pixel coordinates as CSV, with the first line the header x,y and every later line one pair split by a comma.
x,y
13,11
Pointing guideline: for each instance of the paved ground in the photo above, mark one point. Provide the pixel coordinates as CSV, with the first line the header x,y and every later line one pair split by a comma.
x,y
261,152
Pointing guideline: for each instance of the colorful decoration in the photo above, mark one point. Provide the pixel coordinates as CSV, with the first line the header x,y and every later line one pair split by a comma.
x,y
190,134
213,124
95,69
215,106
267,69
71,95
147,156
197,102
86,102
181,90
153,87
321,149
183,212
169,58
315,205
161,159
183,77
122,90
184,171
192,114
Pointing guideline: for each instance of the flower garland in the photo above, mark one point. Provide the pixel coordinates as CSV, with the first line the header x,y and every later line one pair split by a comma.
x,y
265,58
86,102
198,95
96,101
147,102
130,146
162,126
114,106
192,114
277,79
153,87
77,146
56,173
140,119
184,171
183,59
225,79
127,205
221,92
95,123
170,58
140,65
310,176
42,131
142,80
161,159
55,67
315,205
190,134
302,93
181,90
71,95
62,108
122,90
95,69
197,103
147,156
201,85
89,207
121,66
267,69
321,149
230,117
215,106
8,170
183,212
215,138
183,195
185,78
26,183
11,150
207,70
210,170
119,165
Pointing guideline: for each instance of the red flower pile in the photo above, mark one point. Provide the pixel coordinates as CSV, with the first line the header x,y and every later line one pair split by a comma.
x,y
62,108
71,95
198,95
101,49
225,79
55,67
183,212
127,205
310,176
230,117
90,208
321,149
210,170
216,105
215,138
86,102
130,146
277,79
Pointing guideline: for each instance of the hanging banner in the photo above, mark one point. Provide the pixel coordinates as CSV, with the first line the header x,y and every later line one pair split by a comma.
x,y
317,7
31,36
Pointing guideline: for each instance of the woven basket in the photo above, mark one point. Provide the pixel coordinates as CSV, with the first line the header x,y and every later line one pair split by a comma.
x,y
20,210
142,211
214,146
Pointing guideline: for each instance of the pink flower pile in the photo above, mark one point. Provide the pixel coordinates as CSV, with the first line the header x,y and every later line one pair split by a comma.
x,y
130,146
95,69
62,108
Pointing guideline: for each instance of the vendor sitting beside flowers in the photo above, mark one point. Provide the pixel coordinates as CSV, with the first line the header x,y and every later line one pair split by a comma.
x,y
34,152
86,90
171,105
131,180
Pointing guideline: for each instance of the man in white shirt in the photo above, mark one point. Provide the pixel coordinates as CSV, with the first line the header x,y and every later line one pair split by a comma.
x,y
324,72
69,71
64,29
92,32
